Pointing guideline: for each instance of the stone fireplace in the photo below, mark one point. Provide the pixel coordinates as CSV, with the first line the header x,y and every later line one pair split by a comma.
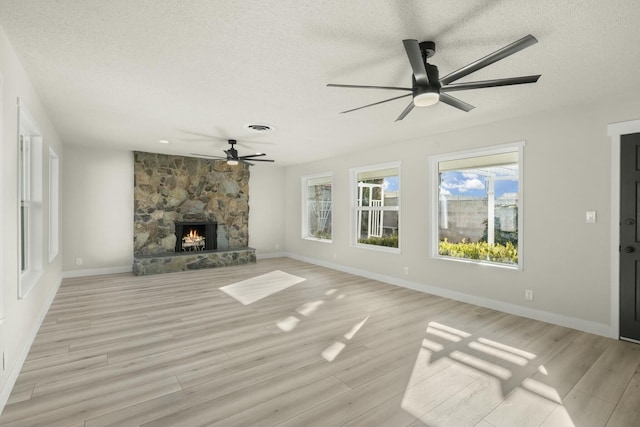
x,y
174,195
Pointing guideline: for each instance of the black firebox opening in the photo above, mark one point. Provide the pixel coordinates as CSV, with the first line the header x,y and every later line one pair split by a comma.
x,y
196,236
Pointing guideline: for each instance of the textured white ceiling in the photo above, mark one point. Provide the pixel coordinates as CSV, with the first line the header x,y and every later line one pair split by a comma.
x,y
124,74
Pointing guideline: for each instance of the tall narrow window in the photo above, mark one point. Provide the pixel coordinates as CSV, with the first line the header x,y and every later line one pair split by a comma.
x,y
376,206
30,216
54,203
478,199
25,200
317,207
1,199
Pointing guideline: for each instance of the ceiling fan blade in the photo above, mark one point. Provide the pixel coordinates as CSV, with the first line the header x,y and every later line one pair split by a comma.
x,y
375,103
455,102
415,58
371,87
203,135
406,111
514,47
259,160
209,156
491,83
253,155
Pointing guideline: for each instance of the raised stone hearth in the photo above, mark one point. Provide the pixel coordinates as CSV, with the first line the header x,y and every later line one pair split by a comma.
x,y
170,190
154,264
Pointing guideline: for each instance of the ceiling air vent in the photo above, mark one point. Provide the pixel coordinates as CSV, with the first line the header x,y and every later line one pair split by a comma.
x,y
259,128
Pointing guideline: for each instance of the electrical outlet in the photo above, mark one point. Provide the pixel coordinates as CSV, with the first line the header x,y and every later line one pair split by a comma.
x,y
78,261
406,270
277,245
335,256
528,294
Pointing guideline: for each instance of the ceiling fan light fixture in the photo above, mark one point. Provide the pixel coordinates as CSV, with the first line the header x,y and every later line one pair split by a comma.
x,y
232,162
426,99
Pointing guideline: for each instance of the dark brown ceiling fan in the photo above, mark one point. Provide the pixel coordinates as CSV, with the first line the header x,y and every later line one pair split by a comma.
x,y
233,158
427,86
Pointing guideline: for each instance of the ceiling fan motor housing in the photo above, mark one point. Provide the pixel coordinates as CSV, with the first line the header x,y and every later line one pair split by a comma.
x,y
428,49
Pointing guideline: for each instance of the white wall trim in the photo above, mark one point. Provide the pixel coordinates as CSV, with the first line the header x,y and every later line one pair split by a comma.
x,y
544,316
97,271
615,131
17,366
270,255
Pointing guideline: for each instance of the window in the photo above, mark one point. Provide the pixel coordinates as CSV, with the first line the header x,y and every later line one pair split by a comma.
x,y
54,203
478,199
317,207
30,218
376,205
1,209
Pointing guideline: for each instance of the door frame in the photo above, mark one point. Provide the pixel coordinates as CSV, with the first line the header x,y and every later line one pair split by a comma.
x,y
615,131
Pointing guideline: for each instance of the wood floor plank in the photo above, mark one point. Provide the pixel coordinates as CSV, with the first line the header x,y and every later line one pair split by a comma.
x,y
627,412
333,350
579,409
609,376
386,414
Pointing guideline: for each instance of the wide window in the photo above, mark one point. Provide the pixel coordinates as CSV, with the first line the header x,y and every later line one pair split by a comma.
x,y
317,207
30,216
376,206
478,200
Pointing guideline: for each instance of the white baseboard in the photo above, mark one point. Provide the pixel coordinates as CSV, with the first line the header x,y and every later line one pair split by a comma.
x,y
17,366
97,271
269,255
544,316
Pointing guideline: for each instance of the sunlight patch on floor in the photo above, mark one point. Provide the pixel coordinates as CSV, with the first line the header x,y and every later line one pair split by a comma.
x,y
355,328
288,324
330,353
458,374
259,287
308,308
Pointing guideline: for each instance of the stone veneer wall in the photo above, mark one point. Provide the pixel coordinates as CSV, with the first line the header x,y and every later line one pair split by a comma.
x,y
175,188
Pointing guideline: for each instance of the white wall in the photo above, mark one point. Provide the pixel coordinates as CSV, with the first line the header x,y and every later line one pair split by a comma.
x,y
97,216
266,210
566,261
22,317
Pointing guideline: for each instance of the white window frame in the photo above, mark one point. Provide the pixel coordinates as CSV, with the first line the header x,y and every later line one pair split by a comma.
x,y
30,182
435,193
355,209
305,206
1,202
54,204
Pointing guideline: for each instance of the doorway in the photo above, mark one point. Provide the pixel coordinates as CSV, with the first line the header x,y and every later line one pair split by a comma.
x,y
629,263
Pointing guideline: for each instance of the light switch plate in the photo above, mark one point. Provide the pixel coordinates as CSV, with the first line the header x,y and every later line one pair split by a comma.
x,y
591,217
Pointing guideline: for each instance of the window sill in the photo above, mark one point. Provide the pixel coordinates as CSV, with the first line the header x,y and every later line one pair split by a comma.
x,y
318,239
28,281
516,267
388,249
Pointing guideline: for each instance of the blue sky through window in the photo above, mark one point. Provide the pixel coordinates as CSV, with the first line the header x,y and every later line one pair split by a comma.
x,y
465,183
391,183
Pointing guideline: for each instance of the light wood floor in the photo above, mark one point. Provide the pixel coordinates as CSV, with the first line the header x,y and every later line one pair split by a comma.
x,y
334,349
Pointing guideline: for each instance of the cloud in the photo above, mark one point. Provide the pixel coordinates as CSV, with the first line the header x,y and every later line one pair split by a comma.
x,y
445,192
464,186
473,184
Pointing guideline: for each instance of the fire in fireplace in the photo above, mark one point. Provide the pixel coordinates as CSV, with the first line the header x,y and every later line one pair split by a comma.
x,y
195,236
